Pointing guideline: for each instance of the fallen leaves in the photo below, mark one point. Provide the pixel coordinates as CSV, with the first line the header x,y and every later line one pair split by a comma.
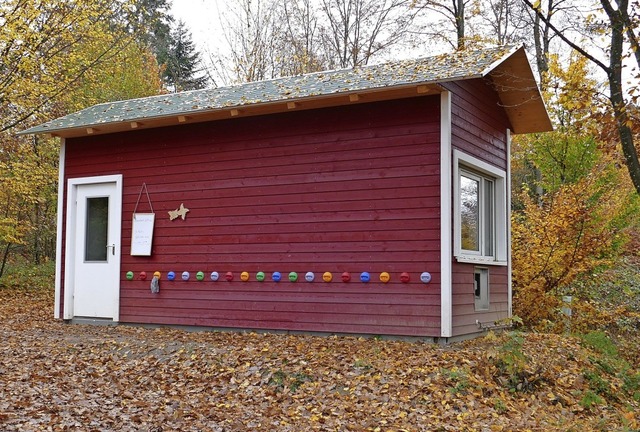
x,y
60,377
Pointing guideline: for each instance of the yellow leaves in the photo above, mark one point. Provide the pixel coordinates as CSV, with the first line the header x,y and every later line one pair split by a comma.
x,y
632,420
55,374
53,46
56,56
130,73
28,182
315,418
571,92
567,232
11,231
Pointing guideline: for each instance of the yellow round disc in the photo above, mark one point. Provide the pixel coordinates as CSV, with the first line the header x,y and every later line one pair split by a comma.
x,y
384,277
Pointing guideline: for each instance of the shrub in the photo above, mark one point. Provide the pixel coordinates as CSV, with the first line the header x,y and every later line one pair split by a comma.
x,y
560,235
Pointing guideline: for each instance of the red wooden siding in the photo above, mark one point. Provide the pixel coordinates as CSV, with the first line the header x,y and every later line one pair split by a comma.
x,y
354,189
463,298
479,125
479,128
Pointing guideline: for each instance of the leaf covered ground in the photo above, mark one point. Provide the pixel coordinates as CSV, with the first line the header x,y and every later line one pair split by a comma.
x,y
60,377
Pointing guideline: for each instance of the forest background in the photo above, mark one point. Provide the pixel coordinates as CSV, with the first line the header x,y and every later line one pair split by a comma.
x,y
576,208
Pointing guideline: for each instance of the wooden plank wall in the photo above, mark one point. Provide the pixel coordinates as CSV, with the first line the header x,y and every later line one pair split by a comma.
x,y
354,188
479,128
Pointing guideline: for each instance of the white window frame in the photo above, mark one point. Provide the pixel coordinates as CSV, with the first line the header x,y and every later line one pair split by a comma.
x,y
463,162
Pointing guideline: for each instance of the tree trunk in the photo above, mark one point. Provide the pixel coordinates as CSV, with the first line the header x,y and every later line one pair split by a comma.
x,y
459,16
614,74
5,257
618,28
541,40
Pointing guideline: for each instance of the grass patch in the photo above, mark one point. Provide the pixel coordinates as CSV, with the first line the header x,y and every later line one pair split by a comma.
x,y
607,307
26,276
292,381
609,361
511,362
590,400
631,384
597,383
600,342
499,406
362,365
458,378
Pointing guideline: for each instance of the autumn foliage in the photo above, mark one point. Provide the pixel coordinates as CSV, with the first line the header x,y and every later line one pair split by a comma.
x,y
56,57
574,205
564,234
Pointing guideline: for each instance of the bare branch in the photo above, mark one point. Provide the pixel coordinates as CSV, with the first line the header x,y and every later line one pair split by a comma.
x,y
565,39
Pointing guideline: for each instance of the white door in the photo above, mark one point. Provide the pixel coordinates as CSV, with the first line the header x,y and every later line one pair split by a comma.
x,y
96,261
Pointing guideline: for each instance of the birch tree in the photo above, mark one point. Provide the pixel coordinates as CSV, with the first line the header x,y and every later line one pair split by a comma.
x,y
301,38
453,14
268,38
505,21
354,31
251,31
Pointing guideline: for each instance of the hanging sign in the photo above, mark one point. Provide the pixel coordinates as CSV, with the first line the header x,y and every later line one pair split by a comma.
x,y
142,228
142,233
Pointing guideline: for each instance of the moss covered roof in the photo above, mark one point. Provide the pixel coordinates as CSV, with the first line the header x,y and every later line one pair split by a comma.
x,y
429,70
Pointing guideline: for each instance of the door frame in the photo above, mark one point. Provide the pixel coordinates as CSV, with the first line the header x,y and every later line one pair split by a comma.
x,y
70,239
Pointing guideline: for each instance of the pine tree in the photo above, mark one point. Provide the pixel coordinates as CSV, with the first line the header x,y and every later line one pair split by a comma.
x,y
182,68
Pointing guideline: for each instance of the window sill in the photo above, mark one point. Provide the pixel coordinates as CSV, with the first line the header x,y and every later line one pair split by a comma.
x,y
480,260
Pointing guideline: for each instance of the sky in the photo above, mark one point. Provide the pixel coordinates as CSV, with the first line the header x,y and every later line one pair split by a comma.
x,y
201,18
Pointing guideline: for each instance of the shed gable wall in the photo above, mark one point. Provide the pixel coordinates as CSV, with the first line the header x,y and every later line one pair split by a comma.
x,y
479,128
353,189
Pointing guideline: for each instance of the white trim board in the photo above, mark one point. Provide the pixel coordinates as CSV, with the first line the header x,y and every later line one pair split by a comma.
x,y
60,210
446,255
509,263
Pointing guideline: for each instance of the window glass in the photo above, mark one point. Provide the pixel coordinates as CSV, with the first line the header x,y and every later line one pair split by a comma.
x,y
470,212
96,229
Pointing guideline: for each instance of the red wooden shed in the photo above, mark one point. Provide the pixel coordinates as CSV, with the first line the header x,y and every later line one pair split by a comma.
x,y
378,195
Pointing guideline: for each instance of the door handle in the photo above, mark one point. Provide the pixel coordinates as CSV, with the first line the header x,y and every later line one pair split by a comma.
x,y
113,248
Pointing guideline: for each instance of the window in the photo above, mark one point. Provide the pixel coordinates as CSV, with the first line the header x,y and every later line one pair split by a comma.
x,y
480,212
476,213
481,288
96,229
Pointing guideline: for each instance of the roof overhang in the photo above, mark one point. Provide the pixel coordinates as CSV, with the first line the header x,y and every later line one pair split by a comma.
x,y
519,94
